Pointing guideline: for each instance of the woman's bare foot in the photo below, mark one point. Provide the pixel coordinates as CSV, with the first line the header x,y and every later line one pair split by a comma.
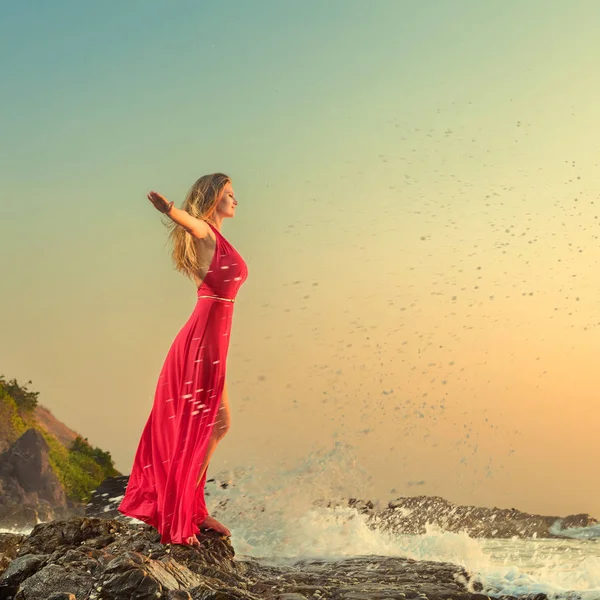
x,y
193,541
211,523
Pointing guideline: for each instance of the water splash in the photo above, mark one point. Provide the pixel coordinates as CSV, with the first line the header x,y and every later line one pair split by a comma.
x,y
275,517
577,533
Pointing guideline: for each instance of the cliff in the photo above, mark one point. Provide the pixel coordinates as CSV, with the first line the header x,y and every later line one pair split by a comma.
x,y
47,470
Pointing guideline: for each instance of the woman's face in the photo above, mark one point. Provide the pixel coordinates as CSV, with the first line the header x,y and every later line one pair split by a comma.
x,y
227,203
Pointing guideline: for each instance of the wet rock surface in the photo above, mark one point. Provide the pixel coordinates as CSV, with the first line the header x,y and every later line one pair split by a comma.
x,y
367,577
92,558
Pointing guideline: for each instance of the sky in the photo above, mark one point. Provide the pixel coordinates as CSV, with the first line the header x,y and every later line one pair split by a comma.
x,y
418,208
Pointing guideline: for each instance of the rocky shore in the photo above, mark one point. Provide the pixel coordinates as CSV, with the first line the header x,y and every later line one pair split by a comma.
x,y
86,558
412,515
103,556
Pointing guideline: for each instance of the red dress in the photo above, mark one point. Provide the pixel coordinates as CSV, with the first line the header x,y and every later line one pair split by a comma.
x,y
162,487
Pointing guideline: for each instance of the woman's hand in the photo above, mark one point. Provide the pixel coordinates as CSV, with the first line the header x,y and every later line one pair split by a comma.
x,y
195,227
161,204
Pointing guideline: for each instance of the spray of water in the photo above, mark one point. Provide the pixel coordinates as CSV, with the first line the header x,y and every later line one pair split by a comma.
x,y
303,512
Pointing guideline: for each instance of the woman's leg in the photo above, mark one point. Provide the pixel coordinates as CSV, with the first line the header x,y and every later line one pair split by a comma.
x,y
220,428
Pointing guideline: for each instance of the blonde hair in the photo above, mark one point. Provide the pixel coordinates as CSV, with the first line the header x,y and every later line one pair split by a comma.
x,y
201,202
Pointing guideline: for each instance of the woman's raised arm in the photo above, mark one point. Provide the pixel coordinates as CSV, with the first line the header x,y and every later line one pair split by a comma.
x,y
197,227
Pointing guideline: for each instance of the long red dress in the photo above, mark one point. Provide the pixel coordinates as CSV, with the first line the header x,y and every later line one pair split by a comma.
x,y
162,487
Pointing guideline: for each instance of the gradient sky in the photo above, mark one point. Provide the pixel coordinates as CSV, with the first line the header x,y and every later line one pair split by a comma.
x,y
418,207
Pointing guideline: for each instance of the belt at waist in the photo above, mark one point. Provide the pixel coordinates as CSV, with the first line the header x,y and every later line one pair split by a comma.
x,y
218,298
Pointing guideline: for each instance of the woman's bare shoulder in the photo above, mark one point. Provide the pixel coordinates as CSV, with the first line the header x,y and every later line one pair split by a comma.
x,y
201,230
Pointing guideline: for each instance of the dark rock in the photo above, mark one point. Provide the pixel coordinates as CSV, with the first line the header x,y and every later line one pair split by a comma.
x,y
219,575
581,520
9,547
26,472
125,577
122,562
55,578
30,492
178,595
106,498
21,568
220,594
83,559
411,515
46,538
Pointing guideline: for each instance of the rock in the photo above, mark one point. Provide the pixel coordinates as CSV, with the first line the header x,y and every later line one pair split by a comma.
x,y
125,577
9,547
46,538
106,498
575,521
21,568
178,595
221,594
55,578
365,578
30,492
411,515
99,559
81,554
25,469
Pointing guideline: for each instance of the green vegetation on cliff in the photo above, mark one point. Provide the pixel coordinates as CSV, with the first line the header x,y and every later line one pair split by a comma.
x,y
79,467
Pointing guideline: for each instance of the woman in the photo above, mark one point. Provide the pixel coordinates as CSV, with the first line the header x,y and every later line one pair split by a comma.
x,y
190,414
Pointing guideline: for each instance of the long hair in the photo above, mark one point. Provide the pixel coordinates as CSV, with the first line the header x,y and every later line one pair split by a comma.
x,y
201,202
